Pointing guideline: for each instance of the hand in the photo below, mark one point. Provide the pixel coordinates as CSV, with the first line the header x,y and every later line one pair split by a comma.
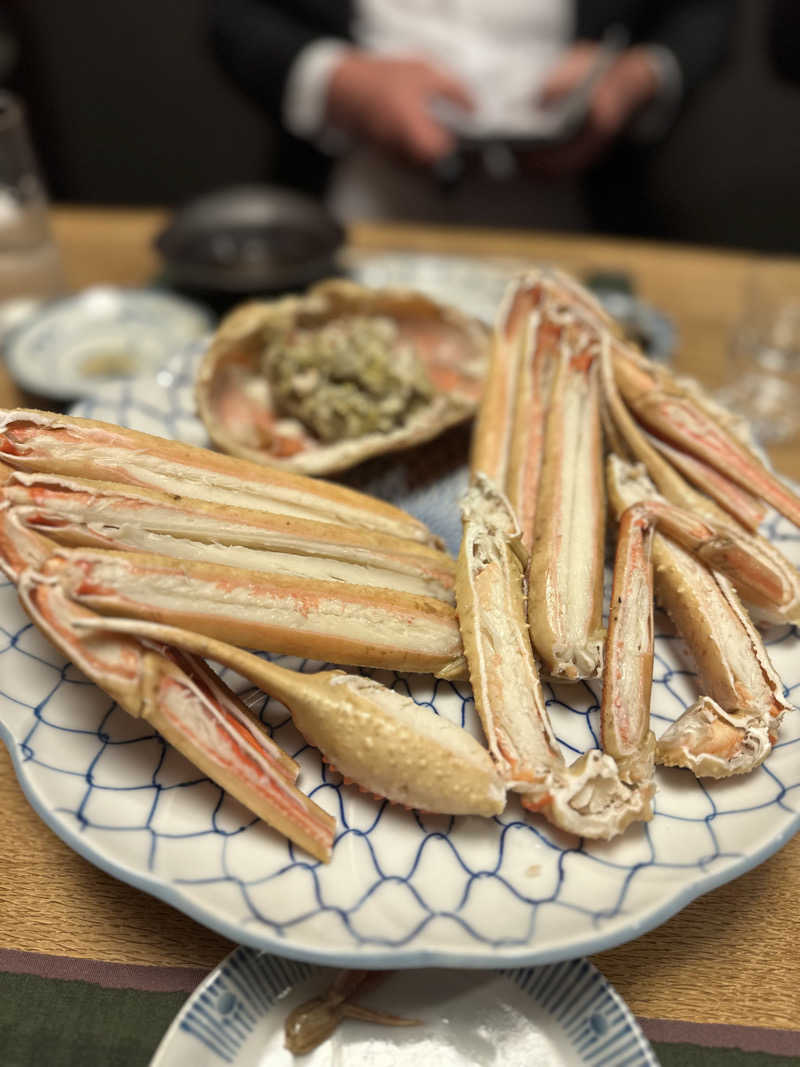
x,y
629,84
387,101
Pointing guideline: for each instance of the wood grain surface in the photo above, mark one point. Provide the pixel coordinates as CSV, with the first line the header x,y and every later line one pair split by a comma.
x,y
728,957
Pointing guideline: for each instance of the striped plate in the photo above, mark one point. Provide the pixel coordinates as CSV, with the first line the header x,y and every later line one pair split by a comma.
x,y
562,1014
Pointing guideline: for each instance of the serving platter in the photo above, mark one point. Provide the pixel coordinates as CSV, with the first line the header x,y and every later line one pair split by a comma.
x,y
561,1015
403,889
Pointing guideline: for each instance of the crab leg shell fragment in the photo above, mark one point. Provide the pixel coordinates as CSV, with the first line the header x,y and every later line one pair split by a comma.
x,y
731,728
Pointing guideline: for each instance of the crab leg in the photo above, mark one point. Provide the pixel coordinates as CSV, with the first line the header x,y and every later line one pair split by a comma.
x,y
374,736
494,428
671,412
527,445
490,597
185,701
74,511
45,442
565,590
731,729
628,676
272,612
722,549
782,575
586,798
749,510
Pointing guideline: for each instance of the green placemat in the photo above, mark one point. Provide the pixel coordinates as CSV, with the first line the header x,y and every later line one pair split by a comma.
x,y
46,1022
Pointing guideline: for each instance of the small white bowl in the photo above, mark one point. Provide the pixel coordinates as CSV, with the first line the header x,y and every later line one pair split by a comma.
x,y
74,347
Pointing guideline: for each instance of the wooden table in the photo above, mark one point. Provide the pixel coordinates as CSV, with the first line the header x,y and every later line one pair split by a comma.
x,y
729,957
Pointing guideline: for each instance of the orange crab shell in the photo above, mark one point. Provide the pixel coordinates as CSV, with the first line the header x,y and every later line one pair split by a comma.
x,y
233,396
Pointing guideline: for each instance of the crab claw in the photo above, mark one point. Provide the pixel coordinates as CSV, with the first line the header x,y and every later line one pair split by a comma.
x,y
376,737
714,743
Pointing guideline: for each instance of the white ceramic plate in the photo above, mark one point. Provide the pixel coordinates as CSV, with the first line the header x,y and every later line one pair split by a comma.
x,y
566,1015
403,890
72,347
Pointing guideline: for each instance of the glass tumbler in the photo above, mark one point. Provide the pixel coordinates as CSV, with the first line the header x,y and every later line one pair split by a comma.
x,y
30,264
763,365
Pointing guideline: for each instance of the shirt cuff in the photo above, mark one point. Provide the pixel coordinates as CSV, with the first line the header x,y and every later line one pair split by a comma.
x,y
656,117
306,90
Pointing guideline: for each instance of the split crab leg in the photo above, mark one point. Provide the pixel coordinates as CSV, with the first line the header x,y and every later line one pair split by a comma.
x,y
75,511
628,676
586,798
747,509
565,582
45,442
317,619
175,692
712,478
777,598
675,413
732,727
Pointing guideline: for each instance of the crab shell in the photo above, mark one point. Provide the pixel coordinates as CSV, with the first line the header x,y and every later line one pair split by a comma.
x,y
232,393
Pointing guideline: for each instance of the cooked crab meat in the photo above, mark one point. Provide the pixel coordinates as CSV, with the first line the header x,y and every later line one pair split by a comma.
x,y
409,368
48,443
777,597
317,619
565,583
736,674
75,511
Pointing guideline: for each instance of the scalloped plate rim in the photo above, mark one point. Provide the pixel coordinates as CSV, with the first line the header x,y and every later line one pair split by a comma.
x,y
390,957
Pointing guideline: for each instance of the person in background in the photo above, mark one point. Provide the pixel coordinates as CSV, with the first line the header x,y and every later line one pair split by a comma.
x,y
380,89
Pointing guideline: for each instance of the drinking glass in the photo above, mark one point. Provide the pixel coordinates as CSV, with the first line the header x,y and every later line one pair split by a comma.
x,y
763,365
30,265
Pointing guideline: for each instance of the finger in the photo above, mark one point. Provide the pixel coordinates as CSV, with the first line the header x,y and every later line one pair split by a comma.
x,y
452,89
424,139
609,107
428,141
568,72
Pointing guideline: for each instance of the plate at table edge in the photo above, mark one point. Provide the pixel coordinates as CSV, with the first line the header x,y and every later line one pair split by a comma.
x,y
74,345
569,1012
438,881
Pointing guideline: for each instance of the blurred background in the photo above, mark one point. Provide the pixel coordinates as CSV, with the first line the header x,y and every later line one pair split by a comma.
x,y
128,105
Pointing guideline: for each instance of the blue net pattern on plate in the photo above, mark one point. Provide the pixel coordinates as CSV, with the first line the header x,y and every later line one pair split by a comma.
x,y
403,888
